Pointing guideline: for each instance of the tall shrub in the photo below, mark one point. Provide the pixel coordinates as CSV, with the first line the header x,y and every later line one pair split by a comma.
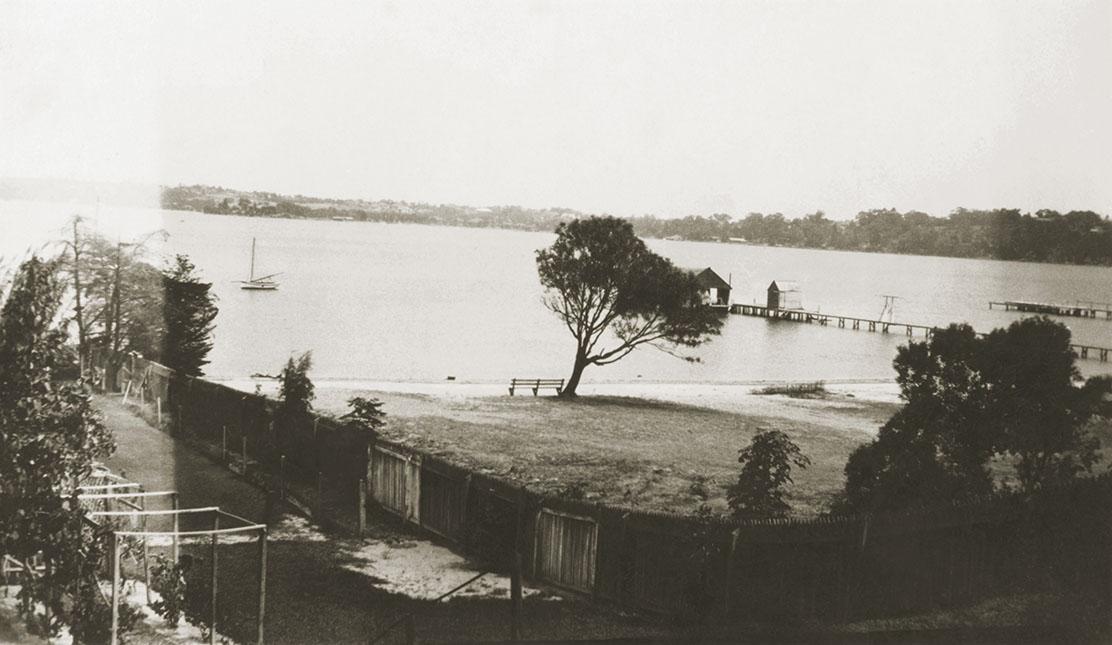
x,y
49,438
189,309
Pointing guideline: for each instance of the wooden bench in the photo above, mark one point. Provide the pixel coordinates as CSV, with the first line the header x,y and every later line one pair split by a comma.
x,y
536,384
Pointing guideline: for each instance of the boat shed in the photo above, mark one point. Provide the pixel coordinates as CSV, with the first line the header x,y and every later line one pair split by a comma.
x,y
715,290
784,294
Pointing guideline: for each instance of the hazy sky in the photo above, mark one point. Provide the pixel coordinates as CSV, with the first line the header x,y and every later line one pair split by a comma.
x,y
626,107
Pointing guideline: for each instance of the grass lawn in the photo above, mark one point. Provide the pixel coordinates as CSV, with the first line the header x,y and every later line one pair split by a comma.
x,y
626,451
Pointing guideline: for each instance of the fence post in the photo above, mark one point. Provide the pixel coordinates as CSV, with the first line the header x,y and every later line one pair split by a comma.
x,y
731,571
115,639
212,615
158,408
174,506
179,428
146,551
515,597
224,444
362,510
261,618
282,477
854,580
410,630
320,502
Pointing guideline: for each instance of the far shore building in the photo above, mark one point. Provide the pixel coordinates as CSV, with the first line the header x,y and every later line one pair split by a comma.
x,y
715,290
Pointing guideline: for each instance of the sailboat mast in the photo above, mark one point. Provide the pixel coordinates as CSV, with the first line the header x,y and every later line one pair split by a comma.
x,y
252,278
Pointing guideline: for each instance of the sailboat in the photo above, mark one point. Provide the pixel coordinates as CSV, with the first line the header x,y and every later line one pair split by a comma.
x,y
262,283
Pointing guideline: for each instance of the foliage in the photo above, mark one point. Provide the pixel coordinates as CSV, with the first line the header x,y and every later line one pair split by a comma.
x,y
365,413
604,283
189,311
766,465
49,437
969,398
168,579
1077,237
295,390
796,390
197,596
117,297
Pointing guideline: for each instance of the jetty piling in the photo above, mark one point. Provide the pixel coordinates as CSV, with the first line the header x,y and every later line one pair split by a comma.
x,y
1082,309
910,329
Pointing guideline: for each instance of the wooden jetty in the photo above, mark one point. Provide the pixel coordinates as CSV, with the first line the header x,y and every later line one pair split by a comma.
x,y
1079,310
881,326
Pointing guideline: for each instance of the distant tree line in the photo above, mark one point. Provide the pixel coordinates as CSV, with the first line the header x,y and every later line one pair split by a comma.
x,y
1075,237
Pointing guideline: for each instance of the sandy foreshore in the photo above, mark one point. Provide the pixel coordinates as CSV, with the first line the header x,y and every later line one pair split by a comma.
x,y
728,397
656,446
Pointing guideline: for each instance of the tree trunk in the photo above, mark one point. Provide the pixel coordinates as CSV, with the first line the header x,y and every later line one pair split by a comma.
x,y
576,373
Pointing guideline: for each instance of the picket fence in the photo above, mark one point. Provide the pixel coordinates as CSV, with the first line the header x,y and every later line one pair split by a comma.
x,y
782,571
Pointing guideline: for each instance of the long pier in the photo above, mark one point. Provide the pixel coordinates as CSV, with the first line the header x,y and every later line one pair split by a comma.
x,y
881,326
1079,310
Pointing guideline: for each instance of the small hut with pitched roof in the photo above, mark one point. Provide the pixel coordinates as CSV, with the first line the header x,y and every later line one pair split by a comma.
x,y
715,290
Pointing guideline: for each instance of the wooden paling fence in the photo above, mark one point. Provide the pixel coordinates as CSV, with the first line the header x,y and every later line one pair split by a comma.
x,y
826,568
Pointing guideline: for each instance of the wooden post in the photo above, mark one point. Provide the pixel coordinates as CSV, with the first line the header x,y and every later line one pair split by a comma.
x,y
731,571
158,407
282,477
262,585
212,615
146,551
224,444
515,597
115,639
47,569
410,630
174,506
320,502
362,510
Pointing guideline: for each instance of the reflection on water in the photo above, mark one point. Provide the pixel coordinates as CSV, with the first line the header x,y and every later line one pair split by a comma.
x,y
404,302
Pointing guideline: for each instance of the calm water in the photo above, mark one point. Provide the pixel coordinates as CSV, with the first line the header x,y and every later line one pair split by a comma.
x,y
419,303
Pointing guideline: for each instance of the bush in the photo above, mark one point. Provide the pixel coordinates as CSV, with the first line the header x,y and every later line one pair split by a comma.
x,y
766,465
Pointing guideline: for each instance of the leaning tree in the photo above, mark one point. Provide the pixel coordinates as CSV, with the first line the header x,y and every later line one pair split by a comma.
x,y
613,294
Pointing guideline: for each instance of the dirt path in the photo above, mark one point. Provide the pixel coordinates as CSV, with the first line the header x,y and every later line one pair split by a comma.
x,y
325,589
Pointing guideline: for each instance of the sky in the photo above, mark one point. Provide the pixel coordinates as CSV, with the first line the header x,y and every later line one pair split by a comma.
x,y
669,108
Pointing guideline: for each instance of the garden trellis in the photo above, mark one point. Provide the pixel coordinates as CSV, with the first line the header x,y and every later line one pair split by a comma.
x,y
130,504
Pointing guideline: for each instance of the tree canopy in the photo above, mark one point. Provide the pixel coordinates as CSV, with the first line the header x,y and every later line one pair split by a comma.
x,y
1012,394
49,438
766,467
189,309
613,294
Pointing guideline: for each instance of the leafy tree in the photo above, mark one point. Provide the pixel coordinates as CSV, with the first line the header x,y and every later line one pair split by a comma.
x,y
1040,412
365,413
189,311
121,298
295,390
766,466
603,282
49,438
969,398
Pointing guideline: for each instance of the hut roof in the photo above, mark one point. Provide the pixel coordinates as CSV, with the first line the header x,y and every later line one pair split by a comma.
x,y
783,285
708,279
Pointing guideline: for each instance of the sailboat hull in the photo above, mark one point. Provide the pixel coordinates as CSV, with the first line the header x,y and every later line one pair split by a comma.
x,y
261,283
